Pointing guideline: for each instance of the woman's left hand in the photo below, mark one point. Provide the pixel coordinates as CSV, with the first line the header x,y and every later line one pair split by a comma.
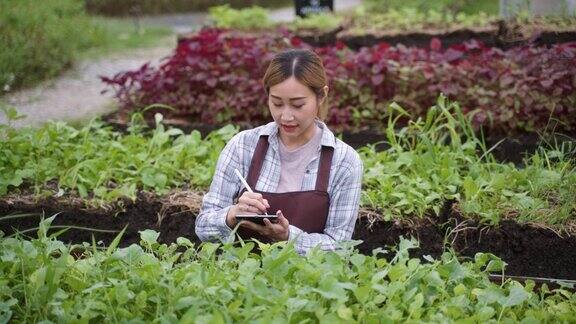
x,y
276,231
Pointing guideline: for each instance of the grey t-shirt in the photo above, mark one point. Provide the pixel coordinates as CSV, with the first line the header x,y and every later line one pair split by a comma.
x,y
293,162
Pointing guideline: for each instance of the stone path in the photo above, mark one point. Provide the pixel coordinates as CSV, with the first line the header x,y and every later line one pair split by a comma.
x,y
76,95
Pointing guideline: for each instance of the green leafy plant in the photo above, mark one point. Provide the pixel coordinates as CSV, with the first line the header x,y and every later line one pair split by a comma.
x,y
439,158
248,18
96,162
408,19
430,160
321,22
44,279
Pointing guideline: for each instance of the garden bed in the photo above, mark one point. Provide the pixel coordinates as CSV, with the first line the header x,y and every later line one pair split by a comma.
x,y
509,147
501,37
529,250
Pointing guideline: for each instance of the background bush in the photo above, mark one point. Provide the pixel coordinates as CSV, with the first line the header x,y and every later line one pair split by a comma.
x,y
126,7
40,38
246,19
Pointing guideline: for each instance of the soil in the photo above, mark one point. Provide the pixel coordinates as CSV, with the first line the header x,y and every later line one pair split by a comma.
x,y
418,39
318,38
528,250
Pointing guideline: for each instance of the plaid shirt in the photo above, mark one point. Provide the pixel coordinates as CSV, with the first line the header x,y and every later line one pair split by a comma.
x,y
343,188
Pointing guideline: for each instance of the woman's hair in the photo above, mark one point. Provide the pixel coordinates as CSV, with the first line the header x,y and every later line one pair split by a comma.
x,y
304,65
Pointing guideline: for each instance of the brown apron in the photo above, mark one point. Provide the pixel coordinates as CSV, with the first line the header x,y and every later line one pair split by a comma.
x,y
307,210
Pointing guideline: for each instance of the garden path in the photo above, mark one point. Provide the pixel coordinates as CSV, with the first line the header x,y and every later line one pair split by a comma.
x,y
76,95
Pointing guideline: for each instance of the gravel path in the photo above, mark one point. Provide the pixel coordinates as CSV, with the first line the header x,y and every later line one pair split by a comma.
x,y
76,95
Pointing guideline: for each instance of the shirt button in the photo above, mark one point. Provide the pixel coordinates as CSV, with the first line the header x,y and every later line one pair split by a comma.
x,y
307,171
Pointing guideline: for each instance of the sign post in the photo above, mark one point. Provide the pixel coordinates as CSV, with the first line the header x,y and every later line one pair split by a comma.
x,y
309,7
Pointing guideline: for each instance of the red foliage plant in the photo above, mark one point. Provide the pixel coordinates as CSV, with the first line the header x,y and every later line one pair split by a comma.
x,y
215,78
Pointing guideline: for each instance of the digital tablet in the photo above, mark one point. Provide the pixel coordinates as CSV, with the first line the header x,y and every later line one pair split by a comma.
x,y
258,219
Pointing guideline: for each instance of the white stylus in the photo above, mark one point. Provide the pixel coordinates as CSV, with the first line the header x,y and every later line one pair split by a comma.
x,y
243,180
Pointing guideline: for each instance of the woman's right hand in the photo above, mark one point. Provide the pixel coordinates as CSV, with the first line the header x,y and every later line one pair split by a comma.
x,y
250,203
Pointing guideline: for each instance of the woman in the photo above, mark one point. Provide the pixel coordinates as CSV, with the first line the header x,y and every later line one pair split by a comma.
x,y
296,166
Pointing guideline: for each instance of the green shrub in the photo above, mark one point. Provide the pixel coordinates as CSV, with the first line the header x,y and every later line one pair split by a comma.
x,y
40,38
248,18
127,7
323,21
454,6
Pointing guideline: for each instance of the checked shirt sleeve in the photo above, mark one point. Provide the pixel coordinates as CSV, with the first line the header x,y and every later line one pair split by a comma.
x,y
342,215
211,222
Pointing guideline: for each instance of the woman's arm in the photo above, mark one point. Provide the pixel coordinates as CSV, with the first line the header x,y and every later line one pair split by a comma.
x,y
211,222
344,205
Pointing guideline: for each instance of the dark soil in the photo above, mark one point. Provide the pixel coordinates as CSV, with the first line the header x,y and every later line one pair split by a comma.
x,y
418,39
136,216
320,39
528,250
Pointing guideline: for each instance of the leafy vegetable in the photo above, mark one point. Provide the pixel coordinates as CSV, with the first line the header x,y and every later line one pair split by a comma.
x,y
43,280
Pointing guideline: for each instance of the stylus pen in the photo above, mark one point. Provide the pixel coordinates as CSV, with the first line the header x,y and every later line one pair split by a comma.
x,y
246,185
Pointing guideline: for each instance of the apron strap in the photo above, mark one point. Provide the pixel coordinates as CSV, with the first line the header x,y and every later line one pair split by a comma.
x,y
257,161
322,178
324,168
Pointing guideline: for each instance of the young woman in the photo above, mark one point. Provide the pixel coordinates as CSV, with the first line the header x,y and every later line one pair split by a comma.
x,y
296,166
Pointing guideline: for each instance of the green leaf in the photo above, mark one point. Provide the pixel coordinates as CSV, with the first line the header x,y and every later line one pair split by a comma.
x,y
150,237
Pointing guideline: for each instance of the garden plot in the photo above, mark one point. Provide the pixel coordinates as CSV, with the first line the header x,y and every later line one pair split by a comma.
x,y
430,183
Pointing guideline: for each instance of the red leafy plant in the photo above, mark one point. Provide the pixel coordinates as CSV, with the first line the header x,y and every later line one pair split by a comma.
x,y
215,78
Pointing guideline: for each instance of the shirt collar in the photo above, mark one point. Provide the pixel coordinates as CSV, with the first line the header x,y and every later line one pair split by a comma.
x,y
271,129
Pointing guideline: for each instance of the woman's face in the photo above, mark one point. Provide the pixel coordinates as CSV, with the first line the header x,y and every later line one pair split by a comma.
x,y
294,107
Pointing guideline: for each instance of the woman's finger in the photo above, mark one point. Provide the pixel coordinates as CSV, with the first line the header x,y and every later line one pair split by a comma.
x,y
282,220
250,209
259,206
258,197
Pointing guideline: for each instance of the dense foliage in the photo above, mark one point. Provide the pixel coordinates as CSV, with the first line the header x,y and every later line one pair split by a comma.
x,y
244,19
40,39
413,178
214,77
317,22
438,158
99,163
412,20
44,279
449,6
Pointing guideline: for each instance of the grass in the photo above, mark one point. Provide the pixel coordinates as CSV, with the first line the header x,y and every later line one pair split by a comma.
x,y
123,34
491,7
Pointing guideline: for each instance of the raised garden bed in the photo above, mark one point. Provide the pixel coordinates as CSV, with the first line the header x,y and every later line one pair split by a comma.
x,y
528,250
509,148
499,34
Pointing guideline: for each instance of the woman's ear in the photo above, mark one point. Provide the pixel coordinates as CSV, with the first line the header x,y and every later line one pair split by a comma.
x,y
325,90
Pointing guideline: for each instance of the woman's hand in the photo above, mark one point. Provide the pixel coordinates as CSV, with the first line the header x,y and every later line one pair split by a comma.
x,y
250,203
279,231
